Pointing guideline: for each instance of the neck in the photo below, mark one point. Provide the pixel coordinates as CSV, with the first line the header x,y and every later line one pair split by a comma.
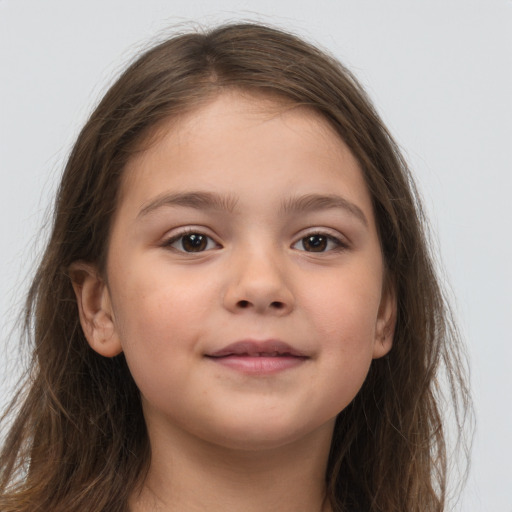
x,y
190,475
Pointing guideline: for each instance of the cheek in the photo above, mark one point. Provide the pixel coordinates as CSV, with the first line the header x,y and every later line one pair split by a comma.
x,y
158,322
345,315
155,304
345,309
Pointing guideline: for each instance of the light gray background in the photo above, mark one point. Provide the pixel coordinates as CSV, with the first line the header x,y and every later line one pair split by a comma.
x,y
440,73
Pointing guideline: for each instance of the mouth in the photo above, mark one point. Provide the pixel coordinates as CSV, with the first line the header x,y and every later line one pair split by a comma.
x,y
258,357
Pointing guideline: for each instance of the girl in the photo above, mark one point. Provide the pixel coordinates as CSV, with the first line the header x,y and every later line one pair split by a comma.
x,y
237,308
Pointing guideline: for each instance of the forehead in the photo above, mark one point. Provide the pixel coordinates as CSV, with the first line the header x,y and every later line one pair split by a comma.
x,y
238,109
247,113
245,138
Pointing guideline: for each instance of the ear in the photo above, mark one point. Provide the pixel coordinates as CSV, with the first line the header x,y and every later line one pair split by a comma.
x,y
95,309
386,321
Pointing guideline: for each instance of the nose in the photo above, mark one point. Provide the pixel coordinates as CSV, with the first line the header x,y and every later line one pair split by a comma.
x,y
258,283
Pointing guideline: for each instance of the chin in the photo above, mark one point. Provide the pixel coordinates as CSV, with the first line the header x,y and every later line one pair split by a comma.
x,y
266,435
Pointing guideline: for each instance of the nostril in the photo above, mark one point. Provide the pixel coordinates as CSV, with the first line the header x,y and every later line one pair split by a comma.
x,y
244,304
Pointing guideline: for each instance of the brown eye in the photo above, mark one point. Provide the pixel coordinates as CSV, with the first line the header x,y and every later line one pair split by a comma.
x,y
194,242
315,243
318,242
191,242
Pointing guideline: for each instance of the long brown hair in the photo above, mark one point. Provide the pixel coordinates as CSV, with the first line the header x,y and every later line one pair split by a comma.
x,y
78,439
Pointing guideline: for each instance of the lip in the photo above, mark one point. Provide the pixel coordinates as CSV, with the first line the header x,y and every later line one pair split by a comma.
x,y
258,357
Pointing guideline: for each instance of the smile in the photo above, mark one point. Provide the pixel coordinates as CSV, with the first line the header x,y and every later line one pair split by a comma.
x,y
258,358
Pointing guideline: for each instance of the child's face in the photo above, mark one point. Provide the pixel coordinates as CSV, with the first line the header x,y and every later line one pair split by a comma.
x,y
248,223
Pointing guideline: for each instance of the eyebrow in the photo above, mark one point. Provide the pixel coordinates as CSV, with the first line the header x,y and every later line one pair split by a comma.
x,y
197,200
315,202
210,201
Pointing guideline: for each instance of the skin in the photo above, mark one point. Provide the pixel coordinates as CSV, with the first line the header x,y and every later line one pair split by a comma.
x,y
255,278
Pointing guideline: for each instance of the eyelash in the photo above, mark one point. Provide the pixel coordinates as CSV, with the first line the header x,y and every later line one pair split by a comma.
x,y
189,232
339,245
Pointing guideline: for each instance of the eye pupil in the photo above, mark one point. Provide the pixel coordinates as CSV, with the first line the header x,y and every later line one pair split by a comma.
x,y
315,243
194,242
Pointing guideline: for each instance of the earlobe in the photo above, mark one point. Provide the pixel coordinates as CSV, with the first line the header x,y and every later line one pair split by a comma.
x,y
386,321
95,309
